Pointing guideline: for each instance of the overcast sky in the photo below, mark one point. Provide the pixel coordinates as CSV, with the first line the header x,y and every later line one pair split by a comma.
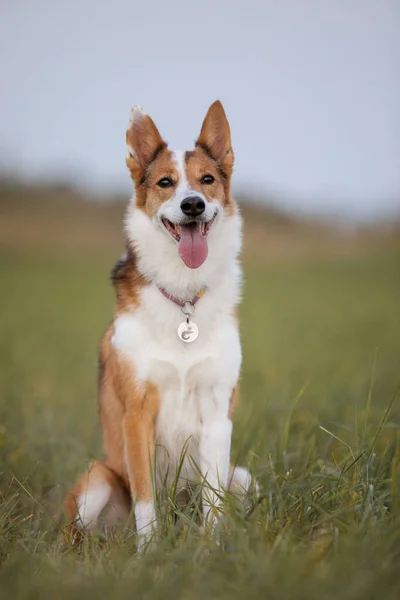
x,y
311,89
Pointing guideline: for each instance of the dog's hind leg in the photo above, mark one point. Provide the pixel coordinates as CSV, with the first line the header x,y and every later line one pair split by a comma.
x,y
99,498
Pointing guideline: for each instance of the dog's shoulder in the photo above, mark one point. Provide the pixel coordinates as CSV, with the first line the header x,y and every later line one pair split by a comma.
x,y
127,280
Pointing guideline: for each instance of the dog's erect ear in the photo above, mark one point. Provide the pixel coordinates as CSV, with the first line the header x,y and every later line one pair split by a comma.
x,y
143,141
215,137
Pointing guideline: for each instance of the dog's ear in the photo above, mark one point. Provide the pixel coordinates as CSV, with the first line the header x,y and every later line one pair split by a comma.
x,y
215,138
143,142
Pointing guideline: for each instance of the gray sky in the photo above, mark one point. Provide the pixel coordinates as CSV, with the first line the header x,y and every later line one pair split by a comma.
x,y
311,88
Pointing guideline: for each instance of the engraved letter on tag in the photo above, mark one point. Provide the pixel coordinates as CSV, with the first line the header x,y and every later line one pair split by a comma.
x,y
188,331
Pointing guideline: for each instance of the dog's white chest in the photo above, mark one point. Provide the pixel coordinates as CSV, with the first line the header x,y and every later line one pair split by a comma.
x,y
194,380
148,337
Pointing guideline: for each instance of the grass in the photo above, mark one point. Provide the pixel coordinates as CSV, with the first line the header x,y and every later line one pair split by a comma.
x,y
318,423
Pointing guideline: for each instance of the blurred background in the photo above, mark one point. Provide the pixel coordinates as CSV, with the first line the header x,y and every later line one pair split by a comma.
x,y
311,89
312,93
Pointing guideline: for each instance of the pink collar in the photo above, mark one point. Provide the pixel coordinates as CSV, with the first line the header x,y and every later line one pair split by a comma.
x,y
182,303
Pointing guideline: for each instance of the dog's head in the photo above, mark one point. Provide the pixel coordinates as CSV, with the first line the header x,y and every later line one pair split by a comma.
x,y
182,200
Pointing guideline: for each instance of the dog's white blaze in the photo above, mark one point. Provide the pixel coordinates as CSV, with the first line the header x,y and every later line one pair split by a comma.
x,y
179,159
92,502
172,208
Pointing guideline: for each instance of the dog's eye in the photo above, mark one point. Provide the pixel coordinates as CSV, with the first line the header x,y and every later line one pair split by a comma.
x,y
165,182
207,179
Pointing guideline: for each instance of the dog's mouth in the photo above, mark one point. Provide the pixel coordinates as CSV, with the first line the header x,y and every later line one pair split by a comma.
x,y
192,240
179,229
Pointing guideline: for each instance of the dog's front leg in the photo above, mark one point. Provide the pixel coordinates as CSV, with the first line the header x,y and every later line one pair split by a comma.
x,y
215,447
139,440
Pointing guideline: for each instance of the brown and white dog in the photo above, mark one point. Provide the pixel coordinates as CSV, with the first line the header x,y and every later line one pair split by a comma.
x,y
164,393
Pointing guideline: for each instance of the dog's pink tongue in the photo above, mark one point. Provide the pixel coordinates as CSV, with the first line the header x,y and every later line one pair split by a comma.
x,y
193,248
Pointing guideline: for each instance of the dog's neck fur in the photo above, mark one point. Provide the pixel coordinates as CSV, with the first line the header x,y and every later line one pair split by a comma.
x,y
158,261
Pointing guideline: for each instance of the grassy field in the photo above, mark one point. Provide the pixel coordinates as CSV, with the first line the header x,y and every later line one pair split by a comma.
x,y
319,420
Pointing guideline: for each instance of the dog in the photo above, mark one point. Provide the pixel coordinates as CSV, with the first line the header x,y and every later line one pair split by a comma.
x,y
169,362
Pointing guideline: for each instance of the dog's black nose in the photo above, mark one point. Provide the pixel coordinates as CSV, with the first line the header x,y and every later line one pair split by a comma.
x,y
193,206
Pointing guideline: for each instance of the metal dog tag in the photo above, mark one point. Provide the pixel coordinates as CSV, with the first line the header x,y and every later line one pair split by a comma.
x,y
188,331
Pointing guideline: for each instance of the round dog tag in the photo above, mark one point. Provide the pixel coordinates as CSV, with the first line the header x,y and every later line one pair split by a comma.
x,y
188,331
